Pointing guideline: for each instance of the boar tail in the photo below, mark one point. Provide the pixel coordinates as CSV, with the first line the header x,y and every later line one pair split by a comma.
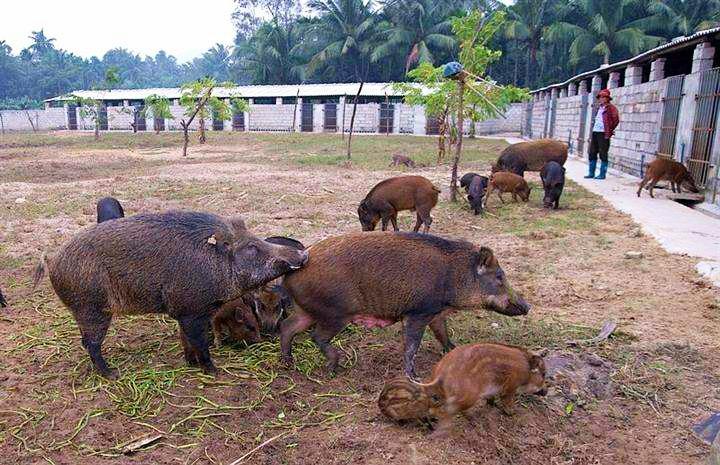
x,y
436,189
40,270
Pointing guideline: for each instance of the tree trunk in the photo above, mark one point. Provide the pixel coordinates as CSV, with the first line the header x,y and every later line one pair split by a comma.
x,y
32,125
2,124
458,146
186,136
352,118
342,130
201,138
97,130
297,96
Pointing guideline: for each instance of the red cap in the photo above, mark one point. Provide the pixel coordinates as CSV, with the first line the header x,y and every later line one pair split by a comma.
x,y
604,93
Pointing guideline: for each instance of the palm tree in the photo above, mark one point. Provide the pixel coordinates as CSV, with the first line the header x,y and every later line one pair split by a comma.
x,y
417,29
41,44
349,26
527,20
269,56
601,27
215,63
680,17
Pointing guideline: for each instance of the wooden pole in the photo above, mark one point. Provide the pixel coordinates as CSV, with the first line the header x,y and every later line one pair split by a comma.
x,y
342,132
297,96
352,118
458,145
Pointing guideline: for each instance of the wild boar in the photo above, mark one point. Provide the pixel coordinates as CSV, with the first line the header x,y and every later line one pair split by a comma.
x,y
530,156
377,279
398,159
466,179
109,208
553,179
390,196
503,181
464,378
186,264
476,193
670,170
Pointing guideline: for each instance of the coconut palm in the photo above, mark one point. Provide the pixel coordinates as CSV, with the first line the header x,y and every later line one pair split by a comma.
x,y
601,27
680,17
349,26
419,29
526,23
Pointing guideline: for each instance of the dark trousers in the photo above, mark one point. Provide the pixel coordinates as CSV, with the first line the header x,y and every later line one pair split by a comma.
x,y
598,145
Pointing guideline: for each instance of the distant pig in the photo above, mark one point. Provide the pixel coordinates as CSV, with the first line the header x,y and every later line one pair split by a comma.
x,y
398,159
109,208
670,170
380,278
390,196
476,193
465,378
553,179
531,156
185,264
507,182
3,302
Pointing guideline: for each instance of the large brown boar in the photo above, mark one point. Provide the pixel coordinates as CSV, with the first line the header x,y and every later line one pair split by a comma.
x,y
185,264
390,196
380,278
464,378
669,170
507,182
531,156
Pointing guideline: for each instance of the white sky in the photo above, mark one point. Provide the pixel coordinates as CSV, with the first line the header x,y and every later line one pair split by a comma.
x,y
183,28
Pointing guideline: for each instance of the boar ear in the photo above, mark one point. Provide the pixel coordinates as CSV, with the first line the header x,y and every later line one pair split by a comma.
x,y
485,257
536,362
238,223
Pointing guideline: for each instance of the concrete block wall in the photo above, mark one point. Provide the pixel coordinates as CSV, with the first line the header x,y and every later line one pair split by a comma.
x,y
50,118
510,123
538,117
272,118
567,118
367,118
119,118
406,118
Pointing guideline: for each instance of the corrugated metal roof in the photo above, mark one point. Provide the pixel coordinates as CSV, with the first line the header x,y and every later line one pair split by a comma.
x,y
370,89
678,42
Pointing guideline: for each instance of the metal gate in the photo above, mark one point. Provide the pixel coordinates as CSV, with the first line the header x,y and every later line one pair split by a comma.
x,y
671,111
72,116
432,125
527,129
140,118
583,121
387,114
159,124
217,124
103,117
306,117
330,122
553,112
706,110
238,121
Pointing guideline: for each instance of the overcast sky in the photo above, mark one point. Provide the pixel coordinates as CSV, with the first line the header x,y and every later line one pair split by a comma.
x,y
182,28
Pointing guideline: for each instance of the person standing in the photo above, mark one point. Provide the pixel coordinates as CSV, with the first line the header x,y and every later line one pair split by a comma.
x,y
606,120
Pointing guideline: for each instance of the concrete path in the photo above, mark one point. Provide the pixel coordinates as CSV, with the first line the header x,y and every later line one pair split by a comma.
x,y
677,228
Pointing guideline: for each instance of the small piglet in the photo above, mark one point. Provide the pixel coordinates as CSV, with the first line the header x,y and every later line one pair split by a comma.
x,y
108,208
670,170
476,193
552,175
236,318
398,159
467,376
504,181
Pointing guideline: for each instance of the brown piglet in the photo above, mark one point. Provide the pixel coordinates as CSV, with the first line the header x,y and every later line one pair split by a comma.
x,y
466,377
238,320
670,170
504,181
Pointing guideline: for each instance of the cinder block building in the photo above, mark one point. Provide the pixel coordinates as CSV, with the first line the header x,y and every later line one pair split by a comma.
x,y
668,100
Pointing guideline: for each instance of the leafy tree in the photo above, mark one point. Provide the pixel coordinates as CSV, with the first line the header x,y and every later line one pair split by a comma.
x,y
418,27
680,17
601,27
159,108
89,109
527,20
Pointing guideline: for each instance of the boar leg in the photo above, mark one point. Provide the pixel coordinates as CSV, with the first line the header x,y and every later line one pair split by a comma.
x,y
195,330
652,186
322,335
189,352
393,220
93,324
413,329
507,403
289,328
642,184
439,329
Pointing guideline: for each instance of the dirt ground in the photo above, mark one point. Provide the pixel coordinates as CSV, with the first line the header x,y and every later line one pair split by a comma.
x,y
630,399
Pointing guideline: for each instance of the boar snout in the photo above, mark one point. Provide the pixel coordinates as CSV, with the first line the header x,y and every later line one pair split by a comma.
x,y
542,392
506,305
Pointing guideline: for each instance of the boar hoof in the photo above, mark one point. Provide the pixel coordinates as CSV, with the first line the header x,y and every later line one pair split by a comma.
x,y
287,361
110,374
